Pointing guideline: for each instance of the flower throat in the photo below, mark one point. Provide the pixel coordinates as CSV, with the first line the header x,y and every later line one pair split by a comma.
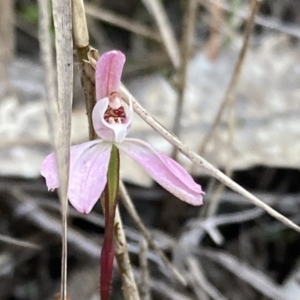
x,y
115,112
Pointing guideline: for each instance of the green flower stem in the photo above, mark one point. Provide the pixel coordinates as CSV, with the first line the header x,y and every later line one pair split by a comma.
x,y
110,203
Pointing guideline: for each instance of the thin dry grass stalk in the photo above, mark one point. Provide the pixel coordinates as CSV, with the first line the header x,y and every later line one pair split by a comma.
x,y
229,102
47,60
202,163
18,242
8,45
255,278
160,16
7,32
86,56
215,37
64,63
224,29
186,46
228,98
200,281
130,289
268,22
59,101
138,221
196,232
122,22
80,30
145,277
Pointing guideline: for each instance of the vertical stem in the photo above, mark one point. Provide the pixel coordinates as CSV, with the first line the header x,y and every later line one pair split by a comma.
x,y
136,218
254,7
7,44
61,124
110,203
81,40
130,289
145,277
215,38
107,252
186,44
62,19
168,37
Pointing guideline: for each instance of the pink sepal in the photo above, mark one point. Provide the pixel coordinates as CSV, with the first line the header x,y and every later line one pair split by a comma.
x,y
164,170
88,169
109,69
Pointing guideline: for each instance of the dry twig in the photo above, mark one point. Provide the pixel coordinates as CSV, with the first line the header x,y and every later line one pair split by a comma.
x,y
145,278
64,64
7,50
201,162
59,113
122,22
215,38
268,22
210,225
136,218
186,46
230,101
130,289
199,280
159,14
228,98
18,242
253,277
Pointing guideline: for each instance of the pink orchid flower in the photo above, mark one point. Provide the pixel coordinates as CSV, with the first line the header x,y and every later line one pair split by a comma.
x,y
112,119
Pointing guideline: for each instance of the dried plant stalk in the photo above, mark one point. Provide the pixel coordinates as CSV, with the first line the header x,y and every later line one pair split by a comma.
x,y
64,64
159,14
136,218
8,44
201,281
59,106
130,289
122,22
229,103
85,54
7,31
255,278
145,278
215,38
202,163
228,98
186,46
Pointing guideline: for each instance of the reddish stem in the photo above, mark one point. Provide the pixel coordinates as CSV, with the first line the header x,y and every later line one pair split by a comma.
x,y
107,253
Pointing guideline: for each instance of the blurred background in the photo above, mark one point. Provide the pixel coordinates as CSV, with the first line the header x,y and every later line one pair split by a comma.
x,y
180,63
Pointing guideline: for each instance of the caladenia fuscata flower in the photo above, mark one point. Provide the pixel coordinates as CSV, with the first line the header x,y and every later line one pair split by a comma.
x,y
94,165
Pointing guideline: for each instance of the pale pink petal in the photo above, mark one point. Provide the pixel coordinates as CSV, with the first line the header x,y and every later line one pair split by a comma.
x,y
164,170
88,177
49,170
110,131
88,171
109,69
